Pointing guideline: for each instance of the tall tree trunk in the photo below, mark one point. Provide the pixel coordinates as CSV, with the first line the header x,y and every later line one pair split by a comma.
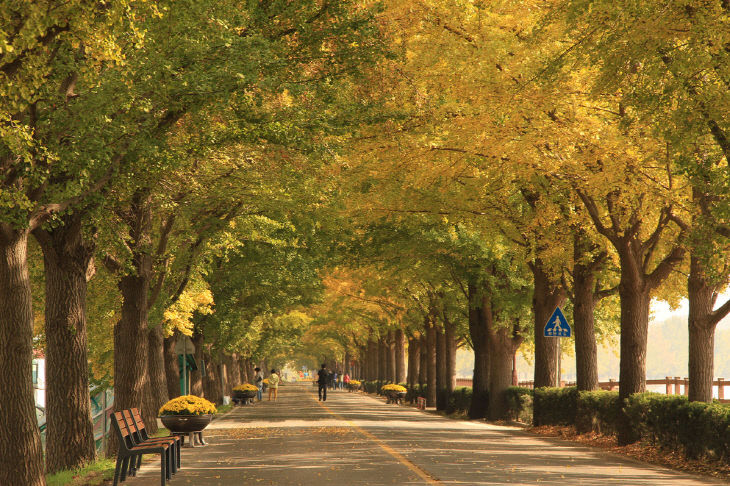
x,y
245,375
431,363
545,299
196,377
21,457
157,395
375,365
635,299
382,359
414,360
478,326
172,368
68,263
702,323
400,356
347,369
391,357
442,399
423,365
223,377
503,342
584,303
234,370
450,355
131,378
211,381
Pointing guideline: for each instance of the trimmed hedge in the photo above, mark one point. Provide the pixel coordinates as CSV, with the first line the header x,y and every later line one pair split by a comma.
x,y
459,400
597,411
696,429
519,403
699,430
555,406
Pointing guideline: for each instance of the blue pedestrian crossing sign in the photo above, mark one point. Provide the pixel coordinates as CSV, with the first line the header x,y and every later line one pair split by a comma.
x,y
557,325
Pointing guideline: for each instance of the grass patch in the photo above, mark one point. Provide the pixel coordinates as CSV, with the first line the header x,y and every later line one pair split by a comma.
x,y
93,474
224,408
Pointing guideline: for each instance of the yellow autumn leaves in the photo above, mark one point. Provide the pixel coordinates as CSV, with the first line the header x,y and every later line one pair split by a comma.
x,y
179,315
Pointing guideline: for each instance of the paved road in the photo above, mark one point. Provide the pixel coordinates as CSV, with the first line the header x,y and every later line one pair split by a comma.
x,y
354,439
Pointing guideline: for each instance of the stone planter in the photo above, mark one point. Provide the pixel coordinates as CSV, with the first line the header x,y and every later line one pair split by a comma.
x,y
395,396
186,423
243,396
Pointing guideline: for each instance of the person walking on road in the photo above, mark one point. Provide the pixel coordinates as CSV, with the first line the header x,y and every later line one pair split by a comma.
x,y
322,377
274,384
259,382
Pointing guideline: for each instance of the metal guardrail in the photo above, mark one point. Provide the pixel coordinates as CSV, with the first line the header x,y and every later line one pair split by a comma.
x,y
101,405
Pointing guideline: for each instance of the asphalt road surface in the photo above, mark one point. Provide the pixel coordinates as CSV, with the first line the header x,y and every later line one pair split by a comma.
x,y
355,439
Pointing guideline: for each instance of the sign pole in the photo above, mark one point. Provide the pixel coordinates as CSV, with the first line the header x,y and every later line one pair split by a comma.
x,y
558,327
560,356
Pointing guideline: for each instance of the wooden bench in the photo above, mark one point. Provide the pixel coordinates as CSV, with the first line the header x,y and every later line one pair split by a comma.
x,y
140,436
130,452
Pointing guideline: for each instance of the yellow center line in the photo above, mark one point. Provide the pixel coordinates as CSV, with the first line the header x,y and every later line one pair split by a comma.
x,y
395,454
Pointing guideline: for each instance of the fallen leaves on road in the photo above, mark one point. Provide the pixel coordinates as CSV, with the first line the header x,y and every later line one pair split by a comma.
x,y
273,432
641,451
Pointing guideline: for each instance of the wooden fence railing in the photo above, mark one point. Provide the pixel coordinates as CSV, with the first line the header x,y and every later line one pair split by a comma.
x,y
673,385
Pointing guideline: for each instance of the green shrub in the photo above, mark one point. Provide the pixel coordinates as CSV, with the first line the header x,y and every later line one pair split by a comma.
x,y
597,411
554,406
699,430
459,400
519,403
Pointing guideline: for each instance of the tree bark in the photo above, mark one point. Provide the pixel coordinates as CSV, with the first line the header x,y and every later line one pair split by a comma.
x,y
373,358
414,360
545,299
584,304
234,370
67,260
702,323
450,355
131,378
243,367
431,362
400,356
390,349
347,369
442,399
157,395
172,368
382,359
211,381
423,365
196,377
502,347
479,322
21,456
635,298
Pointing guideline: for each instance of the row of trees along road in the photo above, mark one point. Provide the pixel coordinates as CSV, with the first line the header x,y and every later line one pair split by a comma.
x,y
586,151
314,180
134,136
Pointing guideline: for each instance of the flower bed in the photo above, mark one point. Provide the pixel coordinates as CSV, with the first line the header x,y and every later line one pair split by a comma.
x,y
394,393
187,405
